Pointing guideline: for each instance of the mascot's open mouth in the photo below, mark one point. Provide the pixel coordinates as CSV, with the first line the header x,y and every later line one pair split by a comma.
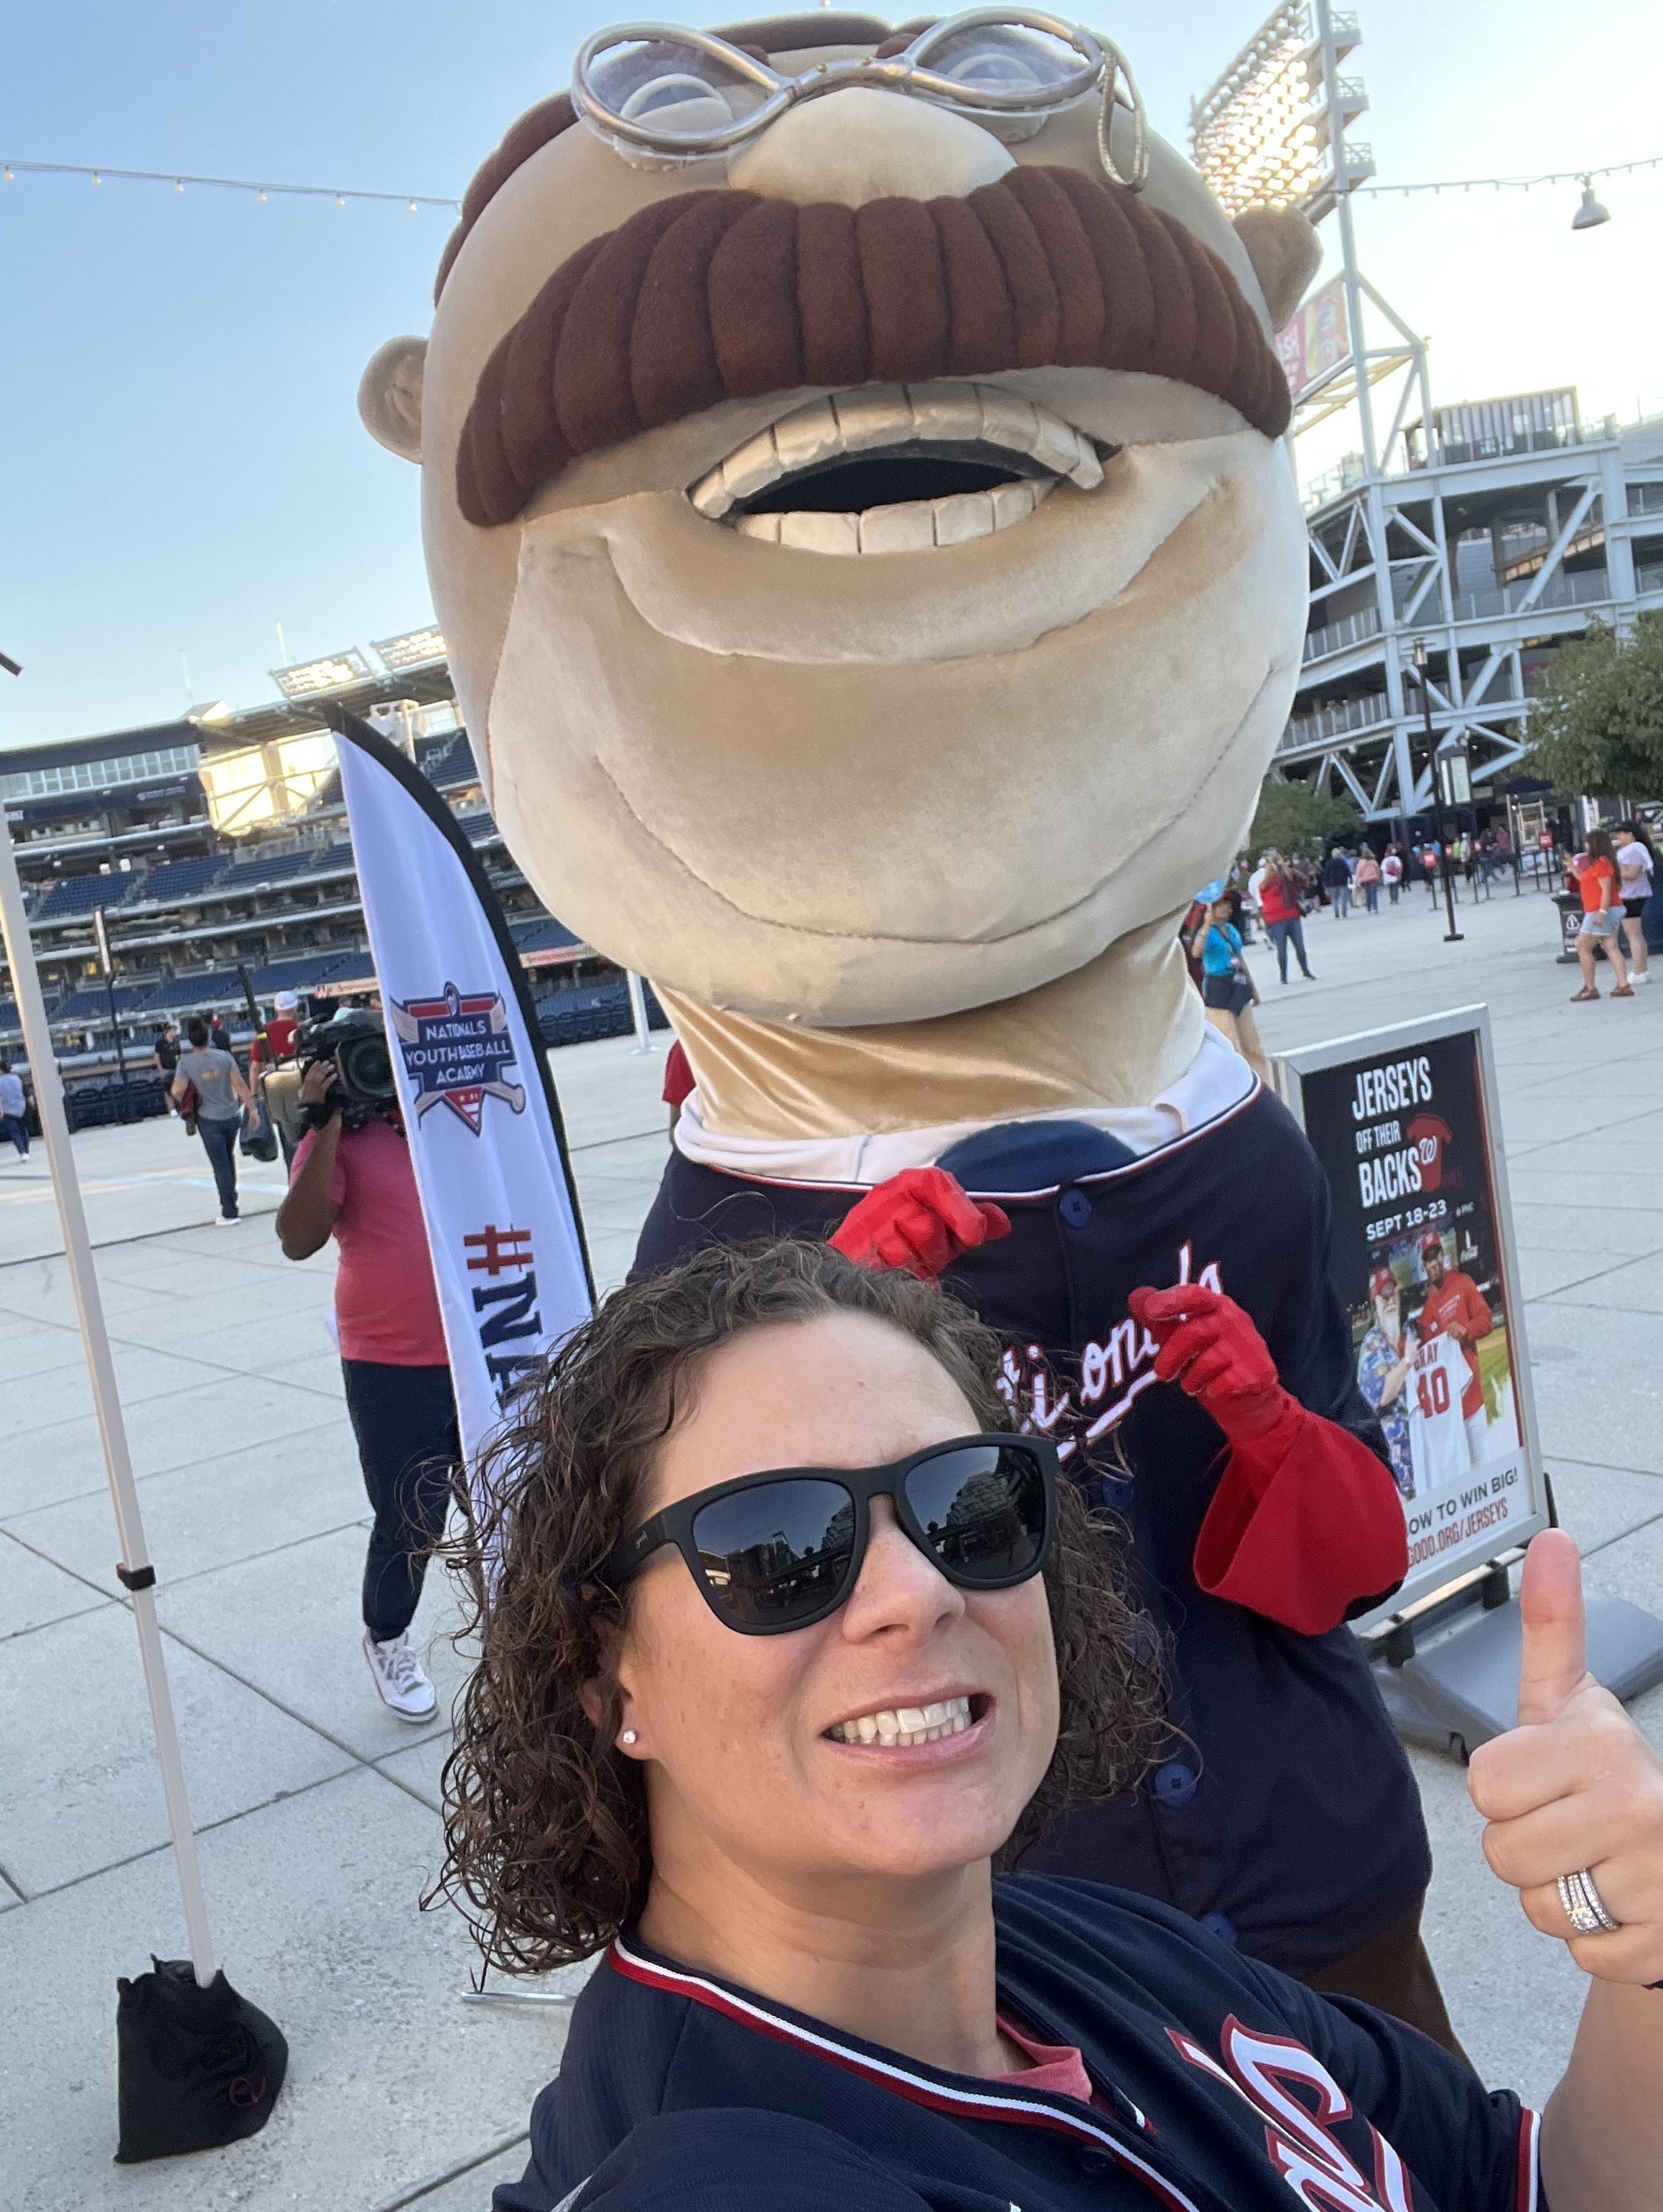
x,y
897,469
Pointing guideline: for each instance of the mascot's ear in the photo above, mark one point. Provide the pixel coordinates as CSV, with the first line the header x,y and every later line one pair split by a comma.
x,y
389,396
1284,251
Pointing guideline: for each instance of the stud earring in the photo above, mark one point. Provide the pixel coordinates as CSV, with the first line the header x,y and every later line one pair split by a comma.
x,y
629,1736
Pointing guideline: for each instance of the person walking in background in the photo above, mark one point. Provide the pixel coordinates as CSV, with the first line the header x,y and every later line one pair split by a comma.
x,y
1367,879
1337,882
274,1048
1279,905
218,1035
1636,868
14,1110
1227,990
164,1057
353,1181
1599,883
222,1094
1391,869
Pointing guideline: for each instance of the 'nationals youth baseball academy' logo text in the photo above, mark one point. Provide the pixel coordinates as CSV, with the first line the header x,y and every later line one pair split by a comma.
x,y
457,1049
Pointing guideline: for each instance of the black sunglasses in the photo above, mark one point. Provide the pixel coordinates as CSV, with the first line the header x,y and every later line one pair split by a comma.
x,y
780,1551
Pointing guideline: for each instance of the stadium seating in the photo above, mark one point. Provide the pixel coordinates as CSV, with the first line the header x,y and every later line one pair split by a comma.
x,y
577,1016
543,934
175,881
94,1004
448,762
81,894
302,973
259,869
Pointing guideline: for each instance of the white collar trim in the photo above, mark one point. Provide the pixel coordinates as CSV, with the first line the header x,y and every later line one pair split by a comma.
x,y
1216,1080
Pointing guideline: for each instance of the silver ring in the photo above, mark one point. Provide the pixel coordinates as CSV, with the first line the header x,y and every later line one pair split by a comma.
x,y
1586,1910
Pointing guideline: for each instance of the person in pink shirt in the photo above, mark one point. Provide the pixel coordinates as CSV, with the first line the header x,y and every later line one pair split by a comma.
x,y
352,1179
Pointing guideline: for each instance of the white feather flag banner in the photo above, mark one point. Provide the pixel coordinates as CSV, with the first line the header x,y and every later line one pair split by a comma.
x,y
486,1138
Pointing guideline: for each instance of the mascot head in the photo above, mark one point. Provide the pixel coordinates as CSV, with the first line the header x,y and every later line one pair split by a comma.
x,y
855,504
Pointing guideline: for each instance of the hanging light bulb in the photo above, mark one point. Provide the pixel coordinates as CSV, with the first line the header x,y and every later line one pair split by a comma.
x,y
1590,215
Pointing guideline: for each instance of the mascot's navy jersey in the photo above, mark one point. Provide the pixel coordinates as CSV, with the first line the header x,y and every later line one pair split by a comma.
x,y
1220,2086
1297,1831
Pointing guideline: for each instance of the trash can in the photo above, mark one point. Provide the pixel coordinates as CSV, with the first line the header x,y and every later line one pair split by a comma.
x,y
1569,904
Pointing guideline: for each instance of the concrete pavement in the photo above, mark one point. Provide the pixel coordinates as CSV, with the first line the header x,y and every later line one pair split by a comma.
x,y
319,1810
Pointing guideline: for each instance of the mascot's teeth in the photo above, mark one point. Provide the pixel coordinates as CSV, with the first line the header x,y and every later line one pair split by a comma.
x,y
912,527
967,420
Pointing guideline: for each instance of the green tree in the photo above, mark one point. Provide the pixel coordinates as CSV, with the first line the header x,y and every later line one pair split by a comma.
x,y
1297,817
1597,726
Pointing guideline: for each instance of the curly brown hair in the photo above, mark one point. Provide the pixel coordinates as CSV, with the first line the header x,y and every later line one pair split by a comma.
x,y
548,1853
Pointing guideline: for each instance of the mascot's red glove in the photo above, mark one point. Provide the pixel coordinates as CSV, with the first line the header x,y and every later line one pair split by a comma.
x,y
1306,1525
920,1220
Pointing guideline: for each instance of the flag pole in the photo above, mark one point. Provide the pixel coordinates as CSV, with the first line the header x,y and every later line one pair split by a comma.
x,y
137,1575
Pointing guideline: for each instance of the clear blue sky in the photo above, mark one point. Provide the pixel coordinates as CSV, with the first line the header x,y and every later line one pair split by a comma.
x,y
184,465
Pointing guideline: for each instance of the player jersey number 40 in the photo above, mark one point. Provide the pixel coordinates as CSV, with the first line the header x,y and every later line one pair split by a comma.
x,y
1437,1434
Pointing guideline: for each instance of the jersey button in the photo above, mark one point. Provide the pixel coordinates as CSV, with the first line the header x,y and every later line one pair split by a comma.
x,y
1074,1208
1220,1925
1175,1785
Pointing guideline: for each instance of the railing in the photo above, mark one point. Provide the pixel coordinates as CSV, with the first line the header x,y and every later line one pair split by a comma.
x,y
1350,630
1587,588
1646,499
1334,721
1649,579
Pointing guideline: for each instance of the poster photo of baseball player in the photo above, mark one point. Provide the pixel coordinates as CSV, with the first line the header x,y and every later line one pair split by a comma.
x,y
1433,1359
1405,1124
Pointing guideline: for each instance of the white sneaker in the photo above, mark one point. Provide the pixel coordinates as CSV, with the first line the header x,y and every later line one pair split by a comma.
x,y
1640,975
228,1221
400,1683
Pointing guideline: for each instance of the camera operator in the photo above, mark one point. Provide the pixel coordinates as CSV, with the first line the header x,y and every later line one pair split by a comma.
x,y
352,1179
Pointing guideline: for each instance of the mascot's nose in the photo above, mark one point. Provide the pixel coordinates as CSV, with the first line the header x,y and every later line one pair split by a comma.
x,y
861,144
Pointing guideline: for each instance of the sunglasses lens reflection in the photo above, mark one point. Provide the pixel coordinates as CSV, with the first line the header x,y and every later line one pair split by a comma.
x,y
778,1554
982,1510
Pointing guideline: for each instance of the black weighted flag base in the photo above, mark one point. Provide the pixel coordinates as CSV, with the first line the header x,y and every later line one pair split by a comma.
x,y
195,2068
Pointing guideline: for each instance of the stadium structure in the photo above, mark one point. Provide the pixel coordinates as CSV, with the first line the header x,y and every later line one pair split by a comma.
x,y
213,854
1458,547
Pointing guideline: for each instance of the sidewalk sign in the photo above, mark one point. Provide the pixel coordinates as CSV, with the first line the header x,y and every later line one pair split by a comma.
x,y
1406,1125
486,1137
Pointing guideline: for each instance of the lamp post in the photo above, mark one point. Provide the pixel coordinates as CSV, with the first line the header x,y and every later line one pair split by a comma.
x,y
1433,760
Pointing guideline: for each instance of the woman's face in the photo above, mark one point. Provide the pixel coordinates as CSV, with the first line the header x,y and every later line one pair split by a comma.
x,y
742,1770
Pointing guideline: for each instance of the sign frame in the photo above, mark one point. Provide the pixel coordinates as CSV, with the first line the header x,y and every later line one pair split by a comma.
x,y
1292,1069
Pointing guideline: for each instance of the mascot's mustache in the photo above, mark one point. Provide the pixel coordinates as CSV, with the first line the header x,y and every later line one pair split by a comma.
x,y
717,295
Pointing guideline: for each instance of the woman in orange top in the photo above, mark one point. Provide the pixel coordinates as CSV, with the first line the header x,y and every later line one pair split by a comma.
x,y
1602,918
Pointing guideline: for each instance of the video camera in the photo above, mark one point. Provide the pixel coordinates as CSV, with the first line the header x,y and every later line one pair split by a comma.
x,y
354,1041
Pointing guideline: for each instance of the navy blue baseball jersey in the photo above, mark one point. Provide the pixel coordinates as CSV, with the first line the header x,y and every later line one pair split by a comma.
x,y
1218,2084
1288,1819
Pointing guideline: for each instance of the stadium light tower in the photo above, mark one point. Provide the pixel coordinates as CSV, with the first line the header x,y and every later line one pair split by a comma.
x,y
1271,132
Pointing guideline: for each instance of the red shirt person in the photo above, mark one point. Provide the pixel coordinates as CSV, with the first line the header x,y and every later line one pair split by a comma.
x,y
1456,1307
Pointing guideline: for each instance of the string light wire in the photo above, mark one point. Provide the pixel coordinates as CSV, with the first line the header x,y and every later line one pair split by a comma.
x,y
416,201
179,179
1512,184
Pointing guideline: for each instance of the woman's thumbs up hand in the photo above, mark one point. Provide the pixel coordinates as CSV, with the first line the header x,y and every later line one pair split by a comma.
x,y
1575,1787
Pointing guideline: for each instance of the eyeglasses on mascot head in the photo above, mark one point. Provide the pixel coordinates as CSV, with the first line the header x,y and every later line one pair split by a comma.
x,y
856,508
